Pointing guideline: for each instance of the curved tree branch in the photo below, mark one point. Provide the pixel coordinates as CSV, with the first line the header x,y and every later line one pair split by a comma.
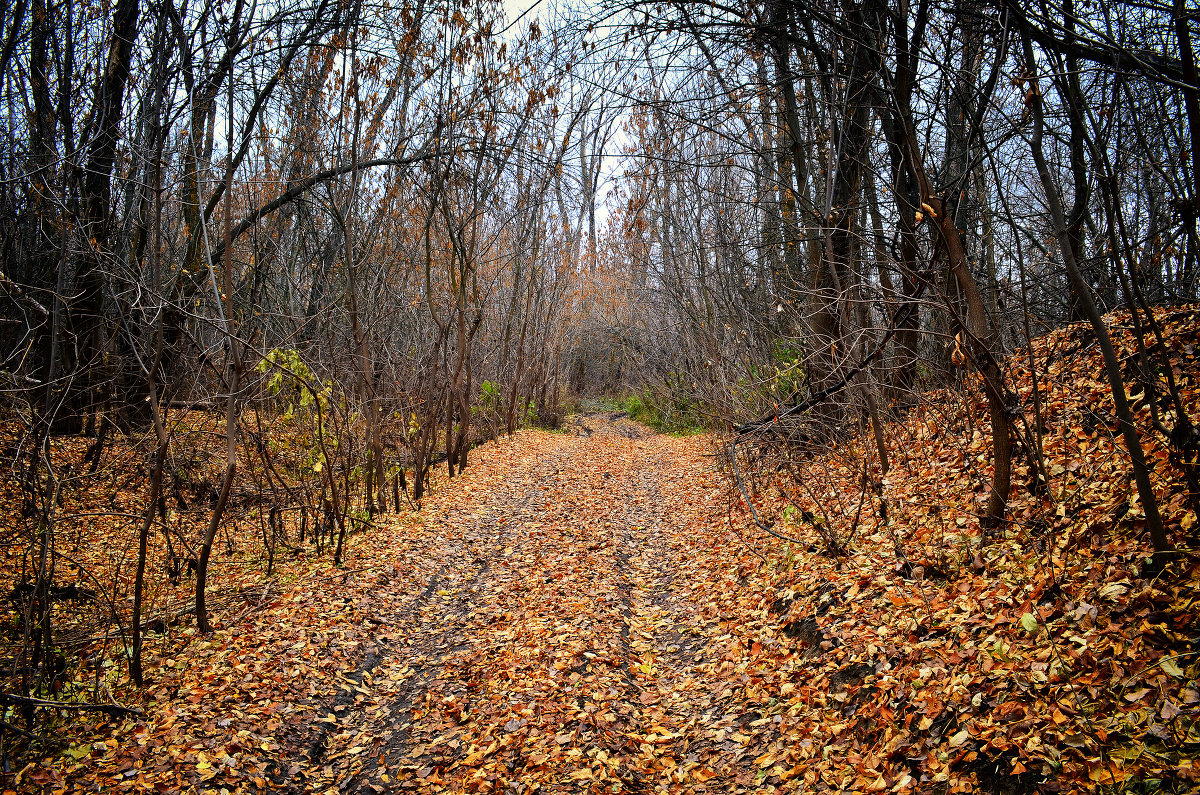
x,y
303,186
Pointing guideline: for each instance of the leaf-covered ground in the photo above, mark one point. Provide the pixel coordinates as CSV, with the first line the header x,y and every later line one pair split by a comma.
x,y
549,621
594,612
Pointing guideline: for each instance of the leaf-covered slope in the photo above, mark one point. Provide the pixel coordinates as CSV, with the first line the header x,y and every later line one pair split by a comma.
x,y
1047,659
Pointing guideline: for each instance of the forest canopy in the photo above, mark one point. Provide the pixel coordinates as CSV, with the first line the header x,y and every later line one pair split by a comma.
x,y
290,257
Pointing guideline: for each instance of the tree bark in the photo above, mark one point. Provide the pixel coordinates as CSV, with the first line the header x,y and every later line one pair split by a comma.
x,y
1083,294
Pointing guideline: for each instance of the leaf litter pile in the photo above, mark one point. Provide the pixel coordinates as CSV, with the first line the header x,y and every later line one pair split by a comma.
x,y
597,613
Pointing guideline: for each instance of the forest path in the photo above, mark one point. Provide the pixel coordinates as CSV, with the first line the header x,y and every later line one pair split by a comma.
x,y
565,635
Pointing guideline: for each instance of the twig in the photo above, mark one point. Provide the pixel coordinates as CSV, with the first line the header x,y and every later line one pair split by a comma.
x,y
8,727
112,710
753,513
19,294
820,397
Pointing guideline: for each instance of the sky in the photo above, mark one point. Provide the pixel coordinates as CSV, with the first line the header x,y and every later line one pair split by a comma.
x,y
514,8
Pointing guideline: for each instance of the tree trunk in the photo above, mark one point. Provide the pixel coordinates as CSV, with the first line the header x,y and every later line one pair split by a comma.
x,y
1083,295
86,284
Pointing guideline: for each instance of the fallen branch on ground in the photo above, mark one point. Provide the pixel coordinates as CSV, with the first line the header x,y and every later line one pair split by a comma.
x,y
112,710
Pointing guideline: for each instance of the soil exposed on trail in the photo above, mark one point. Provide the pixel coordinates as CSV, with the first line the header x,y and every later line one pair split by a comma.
x,y
563,640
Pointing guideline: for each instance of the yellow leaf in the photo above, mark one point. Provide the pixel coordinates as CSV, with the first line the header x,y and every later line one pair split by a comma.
x,y
1170,667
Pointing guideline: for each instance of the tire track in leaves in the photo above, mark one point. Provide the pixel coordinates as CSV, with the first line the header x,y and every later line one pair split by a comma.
x,y
575,647
691,711
416,668
315,766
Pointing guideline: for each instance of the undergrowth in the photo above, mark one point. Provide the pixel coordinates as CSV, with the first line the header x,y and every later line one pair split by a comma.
x,y
676,415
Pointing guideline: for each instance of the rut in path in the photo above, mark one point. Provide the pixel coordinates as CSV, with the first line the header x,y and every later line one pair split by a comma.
x,y
565,639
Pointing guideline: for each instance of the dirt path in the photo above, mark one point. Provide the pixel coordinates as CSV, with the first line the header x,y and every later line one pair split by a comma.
x,y
593,612
566,637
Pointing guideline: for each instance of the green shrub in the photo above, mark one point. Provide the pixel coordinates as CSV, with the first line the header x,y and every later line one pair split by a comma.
x,y
669,413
